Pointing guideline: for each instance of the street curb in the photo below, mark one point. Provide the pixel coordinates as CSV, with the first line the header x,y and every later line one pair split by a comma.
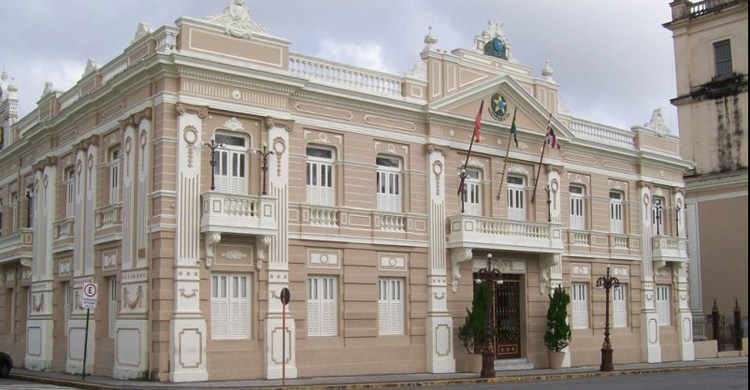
x,y
82,384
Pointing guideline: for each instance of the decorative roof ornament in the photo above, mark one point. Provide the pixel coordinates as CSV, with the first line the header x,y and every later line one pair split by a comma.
x,y
237,21
141,31
430,40
657,123
419,71
547,72
48,88
493,42
91,67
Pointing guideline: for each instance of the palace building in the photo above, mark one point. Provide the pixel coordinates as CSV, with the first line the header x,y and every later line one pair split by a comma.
x,y
208,167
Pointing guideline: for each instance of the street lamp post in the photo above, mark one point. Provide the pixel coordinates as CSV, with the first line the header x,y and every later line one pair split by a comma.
x,y
491,276
677,220
657,215
607,282
549,202
213,145
264,153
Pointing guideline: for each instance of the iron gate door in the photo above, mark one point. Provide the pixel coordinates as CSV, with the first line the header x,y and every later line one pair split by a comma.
x,y
508,318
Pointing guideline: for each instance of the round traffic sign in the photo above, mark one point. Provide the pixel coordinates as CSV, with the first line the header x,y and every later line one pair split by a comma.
x,y
285,296
89,290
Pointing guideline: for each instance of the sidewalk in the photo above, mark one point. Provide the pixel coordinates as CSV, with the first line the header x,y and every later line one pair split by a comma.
x,y
375,381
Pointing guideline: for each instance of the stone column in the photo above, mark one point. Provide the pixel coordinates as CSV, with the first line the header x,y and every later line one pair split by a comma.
x,y
684,316
649,321
438,324
40,323
278,259
83,257
132,326
187,328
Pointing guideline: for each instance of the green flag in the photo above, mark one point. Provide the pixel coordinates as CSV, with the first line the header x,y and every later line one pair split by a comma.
x,y
513,128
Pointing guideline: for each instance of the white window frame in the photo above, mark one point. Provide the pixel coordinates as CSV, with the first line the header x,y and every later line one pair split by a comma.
x,y
319,176
113,158
472,195
322,312
580,305
112,305
389,183
620,306
616,212
230,306
70,194
391,306
232,163
663,304
516,198
14,212
577,206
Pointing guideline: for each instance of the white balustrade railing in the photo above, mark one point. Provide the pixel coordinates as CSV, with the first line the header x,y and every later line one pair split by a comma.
x,y
468,231
619,242
113,69
578,238
600,133
392,222
70,97
669,248
243,214
108,216
347,77
64,228
323,216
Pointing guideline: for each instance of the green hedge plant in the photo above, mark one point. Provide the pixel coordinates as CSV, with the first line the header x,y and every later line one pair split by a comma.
x,y
557,336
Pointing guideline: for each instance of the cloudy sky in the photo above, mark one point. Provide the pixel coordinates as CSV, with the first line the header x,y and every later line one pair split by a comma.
x,y
613,59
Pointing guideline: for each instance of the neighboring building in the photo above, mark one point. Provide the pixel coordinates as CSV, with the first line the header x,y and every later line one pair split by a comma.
x,y
355,211
710,45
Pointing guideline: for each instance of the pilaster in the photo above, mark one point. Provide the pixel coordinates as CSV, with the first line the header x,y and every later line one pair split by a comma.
x,y
276,334
684,316
187,330
649,319
438,324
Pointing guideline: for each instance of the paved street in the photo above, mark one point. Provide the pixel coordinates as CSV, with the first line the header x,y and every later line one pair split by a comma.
x,y
15,384
735,378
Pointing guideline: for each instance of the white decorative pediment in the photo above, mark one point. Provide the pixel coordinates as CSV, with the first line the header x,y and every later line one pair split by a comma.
x,y
419,71
141,31
237,21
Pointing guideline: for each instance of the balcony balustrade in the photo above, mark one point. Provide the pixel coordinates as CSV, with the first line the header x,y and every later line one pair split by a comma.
x,y
239,214
495,233
17,246
669,249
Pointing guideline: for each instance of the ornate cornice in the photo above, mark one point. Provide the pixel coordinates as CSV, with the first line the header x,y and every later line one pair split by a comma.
x,y
430,148
139,116
183,109
85,143
49,161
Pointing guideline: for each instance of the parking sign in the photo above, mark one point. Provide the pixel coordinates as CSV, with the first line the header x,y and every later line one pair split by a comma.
x,y
90,291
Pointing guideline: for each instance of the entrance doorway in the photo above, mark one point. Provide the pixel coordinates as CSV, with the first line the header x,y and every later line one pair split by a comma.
x,y
508,318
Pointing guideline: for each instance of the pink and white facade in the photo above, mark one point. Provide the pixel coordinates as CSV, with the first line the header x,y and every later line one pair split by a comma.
x,y
355,213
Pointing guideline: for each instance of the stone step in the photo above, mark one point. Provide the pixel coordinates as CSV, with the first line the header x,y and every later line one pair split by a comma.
x,y
513,364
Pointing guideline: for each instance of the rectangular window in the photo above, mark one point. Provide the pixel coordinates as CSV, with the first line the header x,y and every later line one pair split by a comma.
x,y
231,165
662,305
321,306
473,195
616,219
723,58
577,209
657,216
619,307
230,306
390,306
70,197
388,184
580,313
112,303
516,199
319,177
114,176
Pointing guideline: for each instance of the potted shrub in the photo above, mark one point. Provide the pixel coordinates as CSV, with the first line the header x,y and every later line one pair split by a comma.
x,y
557,336
473,332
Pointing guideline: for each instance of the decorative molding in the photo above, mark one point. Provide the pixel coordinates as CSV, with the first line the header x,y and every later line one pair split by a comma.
x,y
272,123
237,21
211,239
233,124
183,109
192,294
233,255
261,243
458,255
132,304
49,161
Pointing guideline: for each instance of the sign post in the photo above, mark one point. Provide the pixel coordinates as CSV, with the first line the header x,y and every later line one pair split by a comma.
x,y
90,292
285,297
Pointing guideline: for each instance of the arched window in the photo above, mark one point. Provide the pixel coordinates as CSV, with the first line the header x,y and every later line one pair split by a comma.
x,y
319,176
230,171
388,182
516,198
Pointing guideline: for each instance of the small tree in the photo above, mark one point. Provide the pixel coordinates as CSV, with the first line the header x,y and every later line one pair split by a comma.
x,y
473,332
557,336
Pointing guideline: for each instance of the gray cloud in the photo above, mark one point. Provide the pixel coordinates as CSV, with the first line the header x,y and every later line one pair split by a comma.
x,y
613,60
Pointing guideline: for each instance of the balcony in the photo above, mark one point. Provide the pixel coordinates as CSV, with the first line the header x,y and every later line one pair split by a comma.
x,y
669,249
17,246
238,214
467,231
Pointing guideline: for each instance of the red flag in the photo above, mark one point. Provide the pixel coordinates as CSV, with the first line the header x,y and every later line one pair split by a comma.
x,y
478,122
551,139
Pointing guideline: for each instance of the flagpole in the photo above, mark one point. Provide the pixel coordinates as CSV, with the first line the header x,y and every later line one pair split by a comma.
x,y
474,136
541,158
505,162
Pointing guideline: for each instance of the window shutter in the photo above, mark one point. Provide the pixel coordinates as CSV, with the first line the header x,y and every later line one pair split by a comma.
x,y
580,306
328,308
619,307
313,308
397,307
662,305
